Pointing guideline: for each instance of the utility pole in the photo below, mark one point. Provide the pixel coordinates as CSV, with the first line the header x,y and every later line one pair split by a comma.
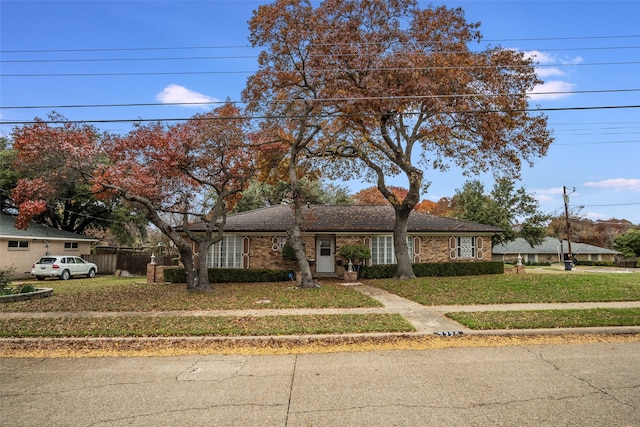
x,y
565,196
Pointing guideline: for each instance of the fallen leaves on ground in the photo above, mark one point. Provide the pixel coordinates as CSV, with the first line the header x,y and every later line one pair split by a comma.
x,y
158,347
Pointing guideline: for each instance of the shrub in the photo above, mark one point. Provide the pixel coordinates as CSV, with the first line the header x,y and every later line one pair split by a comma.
x,y
25,289
435,269
354,252
288,253
6,275
230,275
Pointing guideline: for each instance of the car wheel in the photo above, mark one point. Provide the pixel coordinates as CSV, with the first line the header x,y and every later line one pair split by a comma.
x,y
40,277
65,275
92,274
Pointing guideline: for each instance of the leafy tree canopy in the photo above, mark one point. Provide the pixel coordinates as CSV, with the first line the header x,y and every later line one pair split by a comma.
x,y
513,210
628,243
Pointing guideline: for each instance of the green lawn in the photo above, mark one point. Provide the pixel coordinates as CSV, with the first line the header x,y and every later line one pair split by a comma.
x,y
106,293
203,326
520,288
117,294
548,318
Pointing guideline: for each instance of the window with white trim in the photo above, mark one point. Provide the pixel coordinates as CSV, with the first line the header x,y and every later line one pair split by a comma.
x,y
466,247
70,245
227,253
382,250
18,244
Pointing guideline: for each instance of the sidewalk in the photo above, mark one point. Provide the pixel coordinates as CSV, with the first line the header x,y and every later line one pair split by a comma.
x,y
427,320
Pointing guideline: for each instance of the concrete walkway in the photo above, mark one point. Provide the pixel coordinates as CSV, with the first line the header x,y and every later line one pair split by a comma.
x,y
425,319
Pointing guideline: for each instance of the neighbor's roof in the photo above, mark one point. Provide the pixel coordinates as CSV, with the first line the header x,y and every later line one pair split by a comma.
x,y
550,245
8,230
349,218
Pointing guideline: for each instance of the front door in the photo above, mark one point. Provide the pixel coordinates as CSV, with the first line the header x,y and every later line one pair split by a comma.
x,y
325,254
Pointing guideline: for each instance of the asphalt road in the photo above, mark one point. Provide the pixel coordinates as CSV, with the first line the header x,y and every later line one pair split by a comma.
x,y
589,384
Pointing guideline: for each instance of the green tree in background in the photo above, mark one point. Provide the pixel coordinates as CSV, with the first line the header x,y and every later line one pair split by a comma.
x,y
513,210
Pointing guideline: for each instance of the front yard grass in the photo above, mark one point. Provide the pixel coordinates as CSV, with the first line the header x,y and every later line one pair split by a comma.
x,y
536,319
106,293
181,326
517,288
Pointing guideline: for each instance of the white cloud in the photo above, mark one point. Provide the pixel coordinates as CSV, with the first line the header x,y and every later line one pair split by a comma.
x,y
173,94
547,195
552,89
596,216
616,184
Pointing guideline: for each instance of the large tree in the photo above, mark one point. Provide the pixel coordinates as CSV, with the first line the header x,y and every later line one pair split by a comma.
x,y
285,91
51,158
194,170
628,243
414,96
8,175
513,210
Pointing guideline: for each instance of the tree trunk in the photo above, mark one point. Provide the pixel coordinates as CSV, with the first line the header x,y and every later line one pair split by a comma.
x,y
404,267
202,273
186,256
296,242
295,233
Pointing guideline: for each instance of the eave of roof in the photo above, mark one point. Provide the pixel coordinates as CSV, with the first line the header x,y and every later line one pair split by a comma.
x,y
9,231
348,218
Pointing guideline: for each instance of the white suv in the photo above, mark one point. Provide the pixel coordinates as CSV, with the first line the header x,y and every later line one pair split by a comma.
x,y
63,267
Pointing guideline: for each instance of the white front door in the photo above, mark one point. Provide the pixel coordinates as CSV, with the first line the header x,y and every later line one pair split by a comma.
x,y
325,254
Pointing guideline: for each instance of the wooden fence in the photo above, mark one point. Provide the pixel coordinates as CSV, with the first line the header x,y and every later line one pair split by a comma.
x,y
135,264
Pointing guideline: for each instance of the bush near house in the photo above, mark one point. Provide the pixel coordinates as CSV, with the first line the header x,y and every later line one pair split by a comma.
x,y
230,275
434,269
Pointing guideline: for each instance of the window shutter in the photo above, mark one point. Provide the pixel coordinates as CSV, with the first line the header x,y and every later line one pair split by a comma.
x,y
453,246
245,252
480,247
416,250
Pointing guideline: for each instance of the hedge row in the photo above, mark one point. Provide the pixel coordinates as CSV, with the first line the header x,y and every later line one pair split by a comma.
x,y
434,269
230,275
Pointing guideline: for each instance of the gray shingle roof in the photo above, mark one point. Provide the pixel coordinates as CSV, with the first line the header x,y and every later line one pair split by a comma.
x,y
351,218
550,245
8,230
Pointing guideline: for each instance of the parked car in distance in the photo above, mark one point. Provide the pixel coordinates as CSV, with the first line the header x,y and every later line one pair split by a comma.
x,y
63,267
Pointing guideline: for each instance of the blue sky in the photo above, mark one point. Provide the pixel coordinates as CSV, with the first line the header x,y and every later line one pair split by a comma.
x,y
124,52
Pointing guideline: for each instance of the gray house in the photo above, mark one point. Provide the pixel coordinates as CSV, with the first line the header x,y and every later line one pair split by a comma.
x,y
550,250
19,249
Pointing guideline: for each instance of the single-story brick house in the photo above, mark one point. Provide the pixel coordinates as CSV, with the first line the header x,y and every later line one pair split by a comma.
x,y
19,249
550,250
254,239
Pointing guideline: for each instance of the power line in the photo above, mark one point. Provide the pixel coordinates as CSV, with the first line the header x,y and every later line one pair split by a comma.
x,y
156,48
199,58
184,73
319,116
417,97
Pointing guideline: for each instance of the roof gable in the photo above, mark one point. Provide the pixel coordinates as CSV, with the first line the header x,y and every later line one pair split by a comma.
x,y
344,218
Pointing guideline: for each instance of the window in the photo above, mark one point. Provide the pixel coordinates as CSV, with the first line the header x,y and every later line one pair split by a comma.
x,y
382,250
227,253
18,244
466,247
70,245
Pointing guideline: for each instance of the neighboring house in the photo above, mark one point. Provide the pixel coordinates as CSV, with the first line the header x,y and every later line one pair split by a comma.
x,y
550,251
19,249
254,239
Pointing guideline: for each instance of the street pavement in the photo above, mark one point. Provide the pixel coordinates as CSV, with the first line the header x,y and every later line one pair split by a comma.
x,y
591,384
